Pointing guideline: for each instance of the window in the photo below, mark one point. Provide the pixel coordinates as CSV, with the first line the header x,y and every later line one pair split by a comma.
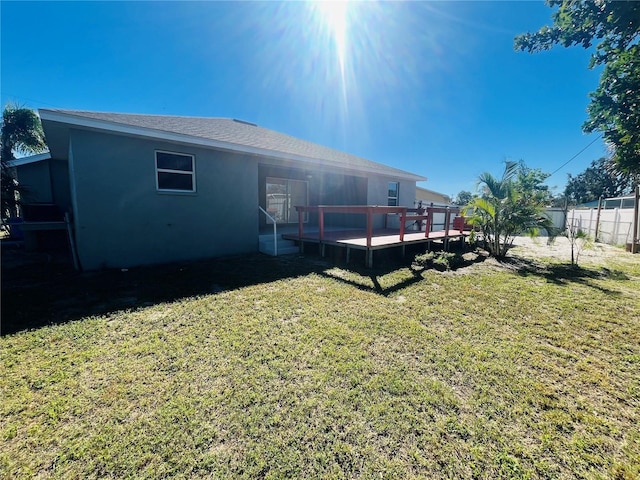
x,y
175,172
393,194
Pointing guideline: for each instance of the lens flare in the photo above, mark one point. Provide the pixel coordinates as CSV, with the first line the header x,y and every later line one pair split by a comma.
x,y
334,17
346,63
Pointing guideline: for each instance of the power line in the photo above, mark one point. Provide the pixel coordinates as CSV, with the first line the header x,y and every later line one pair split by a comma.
x,y
15,98
576,155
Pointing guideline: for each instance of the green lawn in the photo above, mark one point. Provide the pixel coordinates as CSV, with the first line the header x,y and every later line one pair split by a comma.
x,y
293,368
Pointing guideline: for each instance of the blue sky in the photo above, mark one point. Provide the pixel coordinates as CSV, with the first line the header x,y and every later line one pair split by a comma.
x,y
434,88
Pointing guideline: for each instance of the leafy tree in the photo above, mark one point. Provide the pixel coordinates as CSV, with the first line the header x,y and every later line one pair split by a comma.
x,y
615,105
558,201
463,198
506,208
530,181
598,180
21,132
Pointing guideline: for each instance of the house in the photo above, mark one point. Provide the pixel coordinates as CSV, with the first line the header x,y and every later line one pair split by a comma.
x,y
145,189
427,196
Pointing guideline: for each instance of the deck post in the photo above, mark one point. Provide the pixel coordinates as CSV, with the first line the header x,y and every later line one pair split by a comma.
x,y
300,228
447,219
369,258
403,219
427,228
348,254
321,223
369,226
300,211
321,231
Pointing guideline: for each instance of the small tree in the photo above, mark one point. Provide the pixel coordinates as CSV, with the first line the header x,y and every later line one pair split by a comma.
x,y
507,208
579,240
21,132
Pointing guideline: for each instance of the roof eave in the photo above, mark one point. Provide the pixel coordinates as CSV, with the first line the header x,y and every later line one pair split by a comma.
x,y
38,157
90,123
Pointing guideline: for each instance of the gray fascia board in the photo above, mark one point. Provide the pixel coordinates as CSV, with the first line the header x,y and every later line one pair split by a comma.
x,y
94,124
39,157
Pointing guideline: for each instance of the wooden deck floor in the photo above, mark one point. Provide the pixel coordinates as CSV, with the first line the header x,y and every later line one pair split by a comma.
x,y
381,239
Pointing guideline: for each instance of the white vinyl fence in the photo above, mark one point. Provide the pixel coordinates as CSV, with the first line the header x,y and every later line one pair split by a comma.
x,y
615,226
557,216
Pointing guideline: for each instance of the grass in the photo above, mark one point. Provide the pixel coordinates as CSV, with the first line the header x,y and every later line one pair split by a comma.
x,y
290,368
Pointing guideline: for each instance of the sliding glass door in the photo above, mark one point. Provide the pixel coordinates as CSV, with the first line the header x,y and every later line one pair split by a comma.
x,y
283,195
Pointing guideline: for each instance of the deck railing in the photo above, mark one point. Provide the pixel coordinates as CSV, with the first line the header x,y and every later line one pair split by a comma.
x,y
426,213
367,210
383,238
406,214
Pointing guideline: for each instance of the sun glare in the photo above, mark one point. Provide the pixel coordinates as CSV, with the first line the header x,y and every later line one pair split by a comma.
x,y
339,57
333,16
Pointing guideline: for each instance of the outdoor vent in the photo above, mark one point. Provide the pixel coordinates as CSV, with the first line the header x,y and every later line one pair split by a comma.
x,y
245,123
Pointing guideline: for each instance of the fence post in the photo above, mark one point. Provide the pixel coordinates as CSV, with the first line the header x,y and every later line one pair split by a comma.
x,y
595,237
634,245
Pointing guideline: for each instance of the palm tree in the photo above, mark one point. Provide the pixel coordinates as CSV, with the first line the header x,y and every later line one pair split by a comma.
x,y
21,132
506,210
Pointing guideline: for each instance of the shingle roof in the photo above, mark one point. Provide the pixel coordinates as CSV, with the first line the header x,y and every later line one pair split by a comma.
x,y
232,132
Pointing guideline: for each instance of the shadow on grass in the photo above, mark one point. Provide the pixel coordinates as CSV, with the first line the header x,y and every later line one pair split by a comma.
x,y
41,289
396,274
360,279
565,273
44,289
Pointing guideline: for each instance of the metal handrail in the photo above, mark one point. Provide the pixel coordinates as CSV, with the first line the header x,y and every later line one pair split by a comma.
x,y
275,232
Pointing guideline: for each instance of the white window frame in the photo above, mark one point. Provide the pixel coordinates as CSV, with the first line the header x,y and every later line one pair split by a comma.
x,y
396,199
180,172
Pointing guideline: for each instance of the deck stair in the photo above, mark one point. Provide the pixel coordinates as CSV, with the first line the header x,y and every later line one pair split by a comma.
x,y
266,245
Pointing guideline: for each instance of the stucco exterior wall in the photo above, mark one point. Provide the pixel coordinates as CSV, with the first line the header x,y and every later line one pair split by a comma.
x,y
378,194
36,182
121,220
60,189
341,189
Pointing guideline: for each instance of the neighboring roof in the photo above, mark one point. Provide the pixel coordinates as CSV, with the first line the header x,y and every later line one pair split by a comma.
x,y
224,133
30,159
433,192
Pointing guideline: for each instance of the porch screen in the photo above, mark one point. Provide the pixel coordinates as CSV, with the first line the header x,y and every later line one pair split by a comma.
x,y
283,195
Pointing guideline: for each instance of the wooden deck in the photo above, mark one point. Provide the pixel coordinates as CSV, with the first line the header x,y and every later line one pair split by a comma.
x,y
371,239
